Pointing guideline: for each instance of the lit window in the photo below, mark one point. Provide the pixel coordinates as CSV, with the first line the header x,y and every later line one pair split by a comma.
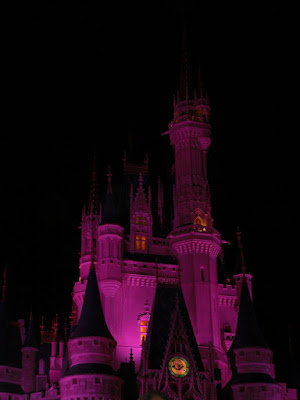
x,y
143,329
140,242
137,219
197,221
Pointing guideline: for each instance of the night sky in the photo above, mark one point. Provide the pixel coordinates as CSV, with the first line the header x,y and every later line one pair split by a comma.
x,y
80,77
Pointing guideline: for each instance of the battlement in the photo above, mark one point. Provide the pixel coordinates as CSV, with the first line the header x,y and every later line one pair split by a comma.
x,y
226,290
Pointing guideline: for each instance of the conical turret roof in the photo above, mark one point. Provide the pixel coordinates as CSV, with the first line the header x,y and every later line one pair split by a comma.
x,y
92,321
30,339
248,333
109,215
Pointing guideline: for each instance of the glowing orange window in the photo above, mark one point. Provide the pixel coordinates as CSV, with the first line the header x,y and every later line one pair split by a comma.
x,y
138,242
143,242
143,330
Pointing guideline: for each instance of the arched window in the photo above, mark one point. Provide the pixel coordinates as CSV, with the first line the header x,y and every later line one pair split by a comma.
x,y
197,221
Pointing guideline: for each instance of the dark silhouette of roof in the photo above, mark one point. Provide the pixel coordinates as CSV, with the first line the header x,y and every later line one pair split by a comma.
x,y
30,339
92,321
248,333
160,324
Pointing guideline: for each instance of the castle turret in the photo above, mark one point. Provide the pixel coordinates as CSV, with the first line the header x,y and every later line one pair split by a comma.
x,y
90,352
30,349
140,220
251,358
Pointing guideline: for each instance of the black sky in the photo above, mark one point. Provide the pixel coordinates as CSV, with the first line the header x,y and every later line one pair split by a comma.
x,y
80,76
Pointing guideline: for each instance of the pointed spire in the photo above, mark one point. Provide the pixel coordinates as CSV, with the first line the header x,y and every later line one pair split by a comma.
x,y
240,266
184,84
109,208
30,339
92,321
42,330
94,203
248,333
109,175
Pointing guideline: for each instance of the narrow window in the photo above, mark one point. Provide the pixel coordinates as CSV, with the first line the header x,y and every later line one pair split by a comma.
x,y
143,242
138,242
202,274
143,330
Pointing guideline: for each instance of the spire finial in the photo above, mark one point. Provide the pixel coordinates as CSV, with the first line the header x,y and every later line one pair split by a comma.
x,y
94,193
131,357
42,328
140,180
109,175
241,251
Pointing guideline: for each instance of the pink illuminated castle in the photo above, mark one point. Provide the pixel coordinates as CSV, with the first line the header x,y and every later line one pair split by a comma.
x,y
150,312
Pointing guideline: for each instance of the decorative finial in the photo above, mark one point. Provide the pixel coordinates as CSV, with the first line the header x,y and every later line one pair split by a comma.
x,y
131,357
240,246
109,175
94,193
42,328
140,180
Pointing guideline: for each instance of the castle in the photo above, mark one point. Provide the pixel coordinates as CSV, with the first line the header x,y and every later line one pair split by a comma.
x,y
149,312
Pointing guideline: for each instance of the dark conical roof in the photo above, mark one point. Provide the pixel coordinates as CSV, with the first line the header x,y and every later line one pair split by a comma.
x,y
92,321
160,324
109,215
248,333
30,339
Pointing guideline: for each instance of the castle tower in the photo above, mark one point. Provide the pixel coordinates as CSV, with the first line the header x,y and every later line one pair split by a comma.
x,y
193,237
87,366
29,350
110,247
251,359
140,220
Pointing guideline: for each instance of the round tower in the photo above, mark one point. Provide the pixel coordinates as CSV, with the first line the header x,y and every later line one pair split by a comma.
x,y
87,366
29,350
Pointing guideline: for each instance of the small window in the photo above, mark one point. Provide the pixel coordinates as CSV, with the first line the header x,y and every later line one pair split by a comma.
x,y
143,329
79,342
74,381
96,342
97,380
202,274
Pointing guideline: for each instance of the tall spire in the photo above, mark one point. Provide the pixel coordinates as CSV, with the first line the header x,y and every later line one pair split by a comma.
x,y
30,339
94,203
109,175
92,321
240,265
109,208
248,333
185,75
